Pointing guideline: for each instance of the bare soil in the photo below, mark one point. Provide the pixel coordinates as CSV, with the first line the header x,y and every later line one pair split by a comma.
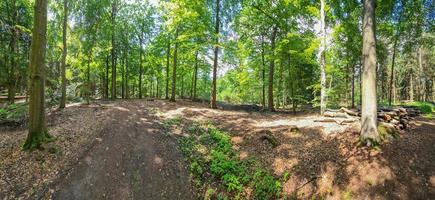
x,y
119,150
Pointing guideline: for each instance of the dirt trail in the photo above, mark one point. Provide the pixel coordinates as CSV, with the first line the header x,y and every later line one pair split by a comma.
x,y
133,160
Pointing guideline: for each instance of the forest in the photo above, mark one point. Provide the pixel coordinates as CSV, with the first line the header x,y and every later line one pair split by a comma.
x,y
217,99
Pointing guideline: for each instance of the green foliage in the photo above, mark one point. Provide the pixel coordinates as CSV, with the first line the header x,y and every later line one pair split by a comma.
x,y
175,121
426,108
209,151
14,112
266,186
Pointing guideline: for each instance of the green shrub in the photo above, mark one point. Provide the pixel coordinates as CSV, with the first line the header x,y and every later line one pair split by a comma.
x,y
14,112
266,186
210,153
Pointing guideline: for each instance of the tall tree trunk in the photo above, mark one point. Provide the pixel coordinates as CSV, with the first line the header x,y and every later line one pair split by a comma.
x,y
216,54
157,88
322,58
140,66
37,127
272,68
126,74
107,78
353,86
369,130
263,74
122,77
392,73
195,76
113,50
168,56
411,86
280,90
182,86
12,74
174,69
64,53
88,79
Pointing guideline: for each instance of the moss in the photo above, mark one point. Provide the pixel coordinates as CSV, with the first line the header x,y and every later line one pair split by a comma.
x,y
35,140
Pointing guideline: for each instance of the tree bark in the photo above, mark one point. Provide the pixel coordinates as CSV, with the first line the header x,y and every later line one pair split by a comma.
x,y
216,54
174,69
64,53
369,131
140,66
263,74
113,50
272,68
353,86
392,72
195,77
322,58
107,78
88,79
168,57
37,126
411,86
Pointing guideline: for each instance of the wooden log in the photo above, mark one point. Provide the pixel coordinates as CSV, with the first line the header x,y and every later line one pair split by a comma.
x,y
335,114
349,112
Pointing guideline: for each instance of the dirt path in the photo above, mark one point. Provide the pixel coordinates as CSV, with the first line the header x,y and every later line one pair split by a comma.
x,y
133,160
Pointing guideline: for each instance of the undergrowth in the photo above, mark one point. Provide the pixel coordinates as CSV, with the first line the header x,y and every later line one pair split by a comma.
x,y
14,112
426,108
216,168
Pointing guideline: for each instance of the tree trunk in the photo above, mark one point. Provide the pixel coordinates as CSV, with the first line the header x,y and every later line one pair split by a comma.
x,y
272,68
174,69
195,77
126,74
122,64
411,86
113,50
37,127
322,58
88,79
168,56
369,131
64,53
216,54
140,66
107,78
263,74
12,74
353,86
392,73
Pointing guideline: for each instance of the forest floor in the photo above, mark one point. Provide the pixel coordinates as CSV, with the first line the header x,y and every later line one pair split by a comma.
x,y
121,150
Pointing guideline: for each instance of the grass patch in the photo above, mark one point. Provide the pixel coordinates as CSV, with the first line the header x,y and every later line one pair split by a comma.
x,y
425,107
216,168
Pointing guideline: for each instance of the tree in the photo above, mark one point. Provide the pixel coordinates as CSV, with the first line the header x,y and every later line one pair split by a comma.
x,y
174,67
322,58
37,127
64,53
113,49
369,130
216,54
272,68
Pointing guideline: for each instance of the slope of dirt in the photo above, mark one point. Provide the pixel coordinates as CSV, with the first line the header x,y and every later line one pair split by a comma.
x,y
323,159
134,160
